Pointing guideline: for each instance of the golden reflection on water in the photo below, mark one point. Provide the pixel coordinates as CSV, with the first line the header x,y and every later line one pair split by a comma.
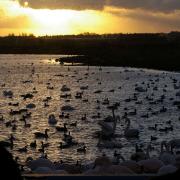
x,y
18,68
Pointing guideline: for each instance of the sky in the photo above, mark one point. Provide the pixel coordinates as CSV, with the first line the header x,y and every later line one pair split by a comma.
x,y
56,17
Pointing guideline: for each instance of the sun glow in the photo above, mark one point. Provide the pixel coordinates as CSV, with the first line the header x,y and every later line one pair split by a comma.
x,y
51,22
26,4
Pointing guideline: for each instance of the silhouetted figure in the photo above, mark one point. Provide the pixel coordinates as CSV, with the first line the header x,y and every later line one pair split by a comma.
x,y
8,167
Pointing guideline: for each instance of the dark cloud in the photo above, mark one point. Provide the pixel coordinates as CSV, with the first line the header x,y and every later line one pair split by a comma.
x,y
152,5
65,4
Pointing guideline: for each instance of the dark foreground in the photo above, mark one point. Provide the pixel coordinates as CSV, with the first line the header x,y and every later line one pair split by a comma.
x,y
155,51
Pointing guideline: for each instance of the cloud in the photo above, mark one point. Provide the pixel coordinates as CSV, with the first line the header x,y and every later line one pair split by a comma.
x,y
151,5
65,4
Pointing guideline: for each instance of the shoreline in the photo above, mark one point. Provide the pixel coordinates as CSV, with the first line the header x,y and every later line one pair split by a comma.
x,y
86,60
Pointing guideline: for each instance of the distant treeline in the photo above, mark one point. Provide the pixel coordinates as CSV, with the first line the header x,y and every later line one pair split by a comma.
x,y
158,51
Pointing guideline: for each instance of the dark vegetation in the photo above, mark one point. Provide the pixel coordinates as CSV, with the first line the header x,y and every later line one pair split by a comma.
x,y
9,167
157,51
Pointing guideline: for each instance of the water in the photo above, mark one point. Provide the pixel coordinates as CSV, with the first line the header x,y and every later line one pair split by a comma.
x,y
17,68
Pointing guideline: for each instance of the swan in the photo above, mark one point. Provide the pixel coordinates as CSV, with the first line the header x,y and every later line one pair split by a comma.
x,y
108,144
166,156
52,119
132,165
109,170
140,155
108,129
130,133
42,135
168,169
151,165
175,143
40,162
117,157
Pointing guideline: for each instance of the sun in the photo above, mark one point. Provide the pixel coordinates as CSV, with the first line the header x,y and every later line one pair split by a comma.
x,y
26,3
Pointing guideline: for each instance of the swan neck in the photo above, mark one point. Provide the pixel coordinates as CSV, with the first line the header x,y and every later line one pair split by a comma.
x,y
147,151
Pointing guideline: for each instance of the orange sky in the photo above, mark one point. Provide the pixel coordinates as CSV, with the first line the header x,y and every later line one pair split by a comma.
x,y
15,18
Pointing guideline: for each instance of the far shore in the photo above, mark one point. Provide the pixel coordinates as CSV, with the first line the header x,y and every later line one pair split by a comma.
x,y
153,51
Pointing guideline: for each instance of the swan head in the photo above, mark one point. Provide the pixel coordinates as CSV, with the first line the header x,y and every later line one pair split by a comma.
x,y
163,143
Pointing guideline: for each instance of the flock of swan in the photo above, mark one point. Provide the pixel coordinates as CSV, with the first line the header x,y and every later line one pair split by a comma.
x,y
44,115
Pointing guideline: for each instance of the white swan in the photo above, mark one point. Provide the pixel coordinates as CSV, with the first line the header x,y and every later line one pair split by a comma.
x,y
168,169
175,143
130,133
166,156
40,162
132,165
52,119
103,166
140,155
108,128
151,165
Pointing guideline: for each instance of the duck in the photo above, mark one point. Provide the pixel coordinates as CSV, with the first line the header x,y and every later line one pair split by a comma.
x,y
42,135
52,119
130,133
153,127
132,113
153,138
1,118
62,129
73,124
108,144
66,116
67,137
33,144
61,115
24,149
44,145
64,146
83,118
25,124
82,149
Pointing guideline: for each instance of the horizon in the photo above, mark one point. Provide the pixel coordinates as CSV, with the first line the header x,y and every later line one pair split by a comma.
x,y
83,34
50,17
